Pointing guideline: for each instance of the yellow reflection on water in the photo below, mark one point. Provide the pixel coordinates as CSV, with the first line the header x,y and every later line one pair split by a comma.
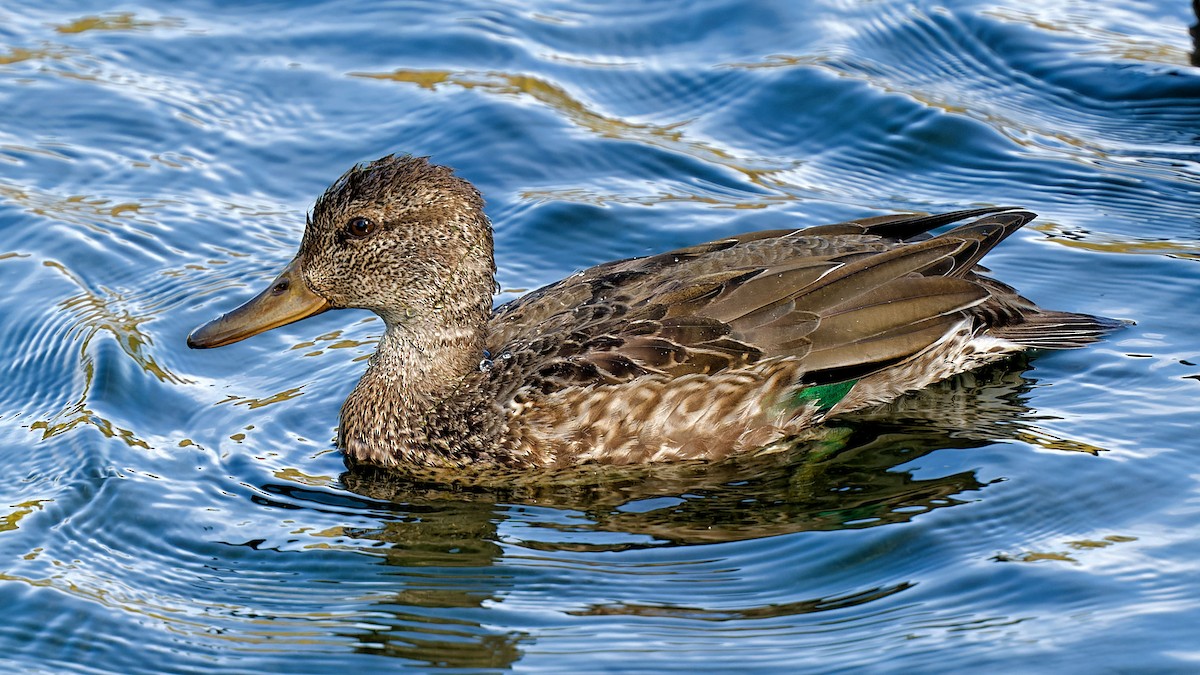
x,y
1103,41
1046,440
333,340
1076,547
98,214
294,475
114,22
666,136
253,403
95,313
1110,244
78,414
282,632
10,522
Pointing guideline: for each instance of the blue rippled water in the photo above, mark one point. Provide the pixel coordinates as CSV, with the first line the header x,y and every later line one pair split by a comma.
x,y
173,511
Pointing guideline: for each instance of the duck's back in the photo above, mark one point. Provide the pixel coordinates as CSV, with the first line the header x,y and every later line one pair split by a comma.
x,y
737,342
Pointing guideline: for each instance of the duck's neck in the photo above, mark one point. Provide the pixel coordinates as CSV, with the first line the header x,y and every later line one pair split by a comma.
x,y
413,381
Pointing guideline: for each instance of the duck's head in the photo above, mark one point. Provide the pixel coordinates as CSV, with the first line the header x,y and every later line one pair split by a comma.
x,y
398,236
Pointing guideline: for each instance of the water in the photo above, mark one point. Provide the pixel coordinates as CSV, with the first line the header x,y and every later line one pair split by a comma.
x,y
167,510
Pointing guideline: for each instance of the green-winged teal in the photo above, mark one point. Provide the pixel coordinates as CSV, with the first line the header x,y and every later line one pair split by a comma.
x,y
696,353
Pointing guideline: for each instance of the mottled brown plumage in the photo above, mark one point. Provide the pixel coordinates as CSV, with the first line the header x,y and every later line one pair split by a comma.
x,y
701,352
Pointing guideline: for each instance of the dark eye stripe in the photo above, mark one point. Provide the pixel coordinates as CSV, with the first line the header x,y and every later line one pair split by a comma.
x,y
360,227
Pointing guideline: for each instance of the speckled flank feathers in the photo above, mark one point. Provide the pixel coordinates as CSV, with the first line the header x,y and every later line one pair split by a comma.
x,y
701,352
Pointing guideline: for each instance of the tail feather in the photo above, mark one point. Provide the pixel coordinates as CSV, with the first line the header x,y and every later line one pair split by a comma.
x,y
907,228
1049,329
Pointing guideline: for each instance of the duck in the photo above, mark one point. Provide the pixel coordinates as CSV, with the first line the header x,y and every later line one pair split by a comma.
x,y
699,353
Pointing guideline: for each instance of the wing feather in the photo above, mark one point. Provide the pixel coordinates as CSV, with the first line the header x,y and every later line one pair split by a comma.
x,y
847,298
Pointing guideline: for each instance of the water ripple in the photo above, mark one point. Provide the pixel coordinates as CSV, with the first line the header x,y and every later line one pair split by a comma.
x,y
171,510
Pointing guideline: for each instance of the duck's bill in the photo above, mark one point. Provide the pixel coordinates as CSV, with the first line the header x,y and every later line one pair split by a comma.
x,y
286,300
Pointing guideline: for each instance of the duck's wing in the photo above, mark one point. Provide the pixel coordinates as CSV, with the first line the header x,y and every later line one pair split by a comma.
x,y
845,299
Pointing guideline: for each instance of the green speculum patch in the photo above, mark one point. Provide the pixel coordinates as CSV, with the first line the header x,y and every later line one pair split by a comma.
x,y
824,395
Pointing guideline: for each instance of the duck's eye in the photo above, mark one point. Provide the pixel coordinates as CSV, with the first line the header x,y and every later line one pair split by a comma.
x,y
360,227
